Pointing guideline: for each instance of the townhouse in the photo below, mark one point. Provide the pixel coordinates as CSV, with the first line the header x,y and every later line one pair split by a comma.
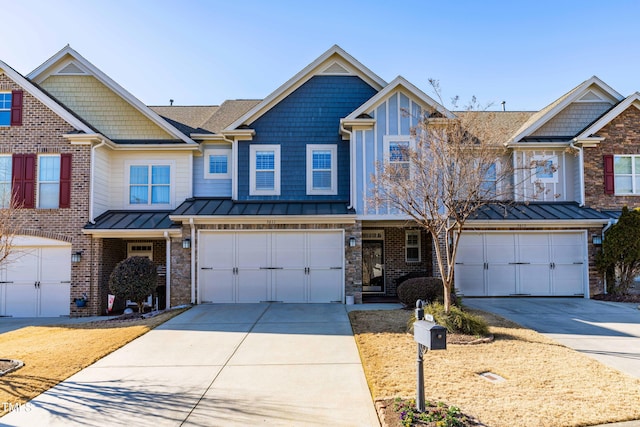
x,y
270,200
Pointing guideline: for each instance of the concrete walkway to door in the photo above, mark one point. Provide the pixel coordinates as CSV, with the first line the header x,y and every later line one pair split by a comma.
x,y
220,365
606,331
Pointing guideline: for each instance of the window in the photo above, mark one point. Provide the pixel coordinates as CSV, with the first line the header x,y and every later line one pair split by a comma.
x,y
412,246
48,181
322,170
5,181
5,108
265,170
489,187
217,165
626,171
397,154
150,184
544,169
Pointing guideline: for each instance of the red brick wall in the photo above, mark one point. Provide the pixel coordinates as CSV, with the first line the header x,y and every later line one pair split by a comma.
x,y
622,136
41,132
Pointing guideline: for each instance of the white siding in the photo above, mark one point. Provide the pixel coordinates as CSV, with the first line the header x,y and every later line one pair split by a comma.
x,y
562,189
101,181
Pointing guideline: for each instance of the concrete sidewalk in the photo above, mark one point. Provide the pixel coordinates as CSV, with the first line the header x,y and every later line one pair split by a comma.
x,y
605,331
231,365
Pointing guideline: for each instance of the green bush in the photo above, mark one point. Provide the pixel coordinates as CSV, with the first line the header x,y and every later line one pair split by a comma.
x,y
456,321
427,289
134,278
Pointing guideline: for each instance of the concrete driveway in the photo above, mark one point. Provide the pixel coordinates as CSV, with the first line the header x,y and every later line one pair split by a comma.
x,y
606,331
231,365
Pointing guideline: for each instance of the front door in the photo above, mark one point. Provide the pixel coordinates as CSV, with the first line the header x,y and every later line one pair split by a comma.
x,y
372,266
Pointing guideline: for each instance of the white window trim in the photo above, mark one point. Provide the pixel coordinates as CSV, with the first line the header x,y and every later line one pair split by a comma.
x,y
635,191
7,109
253,149
5,199
388,139
134,249
333,148
407,233
217,151
172,183
534,175
38,182
498,167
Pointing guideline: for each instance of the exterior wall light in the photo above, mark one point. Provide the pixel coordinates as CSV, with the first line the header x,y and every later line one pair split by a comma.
x,y
76,257
596,239
186,244
352,241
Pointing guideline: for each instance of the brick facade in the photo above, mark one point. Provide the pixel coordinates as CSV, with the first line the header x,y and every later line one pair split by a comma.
x,y
621,136
42,132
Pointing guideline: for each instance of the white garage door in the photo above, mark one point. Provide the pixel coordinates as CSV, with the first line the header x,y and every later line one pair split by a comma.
x,y
536,263
36,279
285,266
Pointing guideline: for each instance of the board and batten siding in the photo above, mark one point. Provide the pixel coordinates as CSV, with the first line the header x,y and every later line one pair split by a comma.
x,y
111,172
102,180
205,187
562,189
395,116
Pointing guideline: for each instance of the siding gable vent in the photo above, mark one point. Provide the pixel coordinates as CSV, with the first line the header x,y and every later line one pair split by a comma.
x,y
591,96
336,68
71,69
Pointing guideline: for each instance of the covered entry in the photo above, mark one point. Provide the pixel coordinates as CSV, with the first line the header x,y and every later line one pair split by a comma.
x,y
284,266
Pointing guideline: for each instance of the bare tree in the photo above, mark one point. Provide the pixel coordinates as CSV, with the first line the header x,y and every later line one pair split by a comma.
x,y
10,226
451,169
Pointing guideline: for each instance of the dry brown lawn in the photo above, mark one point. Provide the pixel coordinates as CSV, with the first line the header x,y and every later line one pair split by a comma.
x,y
54,353
546,384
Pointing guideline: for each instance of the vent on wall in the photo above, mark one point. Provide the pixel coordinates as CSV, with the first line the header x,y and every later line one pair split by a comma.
x,y
71,68
591,96
335,68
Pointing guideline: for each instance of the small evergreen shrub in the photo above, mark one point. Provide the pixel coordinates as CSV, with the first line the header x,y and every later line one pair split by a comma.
x,y
134,278
411,275
427,289
456,321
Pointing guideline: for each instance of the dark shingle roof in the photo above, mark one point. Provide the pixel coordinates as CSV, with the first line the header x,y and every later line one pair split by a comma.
x,y
133,220
533,211
223,207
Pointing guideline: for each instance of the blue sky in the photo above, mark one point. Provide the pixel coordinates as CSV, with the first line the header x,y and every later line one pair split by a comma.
x,y
199,52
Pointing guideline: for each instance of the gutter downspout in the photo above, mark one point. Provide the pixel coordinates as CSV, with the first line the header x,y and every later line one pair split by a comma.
x,y
92,179
167,278
193,261
352,170
581,174
604,230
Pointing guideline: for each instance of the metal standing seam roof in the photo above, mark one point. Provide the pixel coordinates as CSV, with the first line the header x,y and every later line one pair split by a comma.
x,y
540,211
133,220
228,207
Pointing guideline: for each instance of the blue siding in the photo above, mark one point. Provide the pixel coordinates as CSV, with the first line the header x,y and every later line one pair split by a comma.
x,y
208,187
393,115
309,115
405,119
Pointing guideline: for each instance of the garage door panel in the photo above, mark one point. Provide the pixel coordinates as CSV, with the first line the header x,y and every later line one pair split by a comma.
x,y
471,248
500,248
253,250
253,285
568,280
470,280
216,285
325,249
289,250
56,265
325,285
501,280
22,265
54,299
21,299
534,280
289,285
219,250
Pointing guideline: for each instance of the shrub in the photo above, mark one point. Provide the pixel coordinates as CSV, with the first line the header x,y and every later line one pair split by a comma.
x,y
134,278
427,289
411,275
456,321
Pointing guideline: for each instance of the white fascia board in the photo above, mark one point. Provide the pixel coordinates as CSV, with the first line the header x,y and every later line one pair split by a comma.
x,y
577,92
300,78
45,99
44,70
155,147
633,99
398,84
264,219
520,225
134,234
538,145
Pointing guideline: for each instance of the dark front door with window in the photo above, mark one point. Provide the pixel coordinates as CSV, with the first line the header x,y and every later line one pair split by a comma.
x,y
372,266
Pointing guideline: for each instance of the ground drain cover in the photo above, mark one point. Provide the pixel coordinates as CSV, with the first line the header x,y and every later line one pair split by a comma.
x,y
490,376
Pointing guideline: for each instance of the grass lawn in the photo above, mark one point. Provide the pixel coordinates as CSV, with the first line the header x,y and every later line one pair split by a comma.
x,y
54,353
546,384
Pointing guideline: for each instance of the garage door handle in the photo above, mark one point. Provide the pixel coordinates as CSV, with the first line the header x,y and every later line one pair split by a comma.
x,y
5,282
335,268
66,281
519,263
271,268
206,268
579,263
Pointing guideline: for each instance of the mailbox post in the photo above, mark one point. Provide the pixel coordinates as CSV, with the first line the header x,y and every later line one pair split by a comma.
x,y
429,336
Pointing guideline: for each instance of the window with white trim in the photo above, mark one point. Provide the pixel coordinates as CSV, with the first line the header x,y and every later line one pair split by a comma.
x,y
626,170
5,108
264,174
48,181
412,248
149,184
5,180
489,185
396,153
217,163
544,169
322,169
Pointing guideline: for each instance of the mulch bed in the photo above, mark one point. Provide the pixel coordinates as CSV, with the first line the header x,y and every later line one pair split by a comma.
x,y
390,413
9,365
618,298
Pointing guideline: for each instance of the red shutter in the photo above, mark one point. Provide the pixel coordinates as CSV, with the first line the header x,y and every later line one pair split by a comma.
x,y
65,180
29,181
16,108
609,181
17,180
